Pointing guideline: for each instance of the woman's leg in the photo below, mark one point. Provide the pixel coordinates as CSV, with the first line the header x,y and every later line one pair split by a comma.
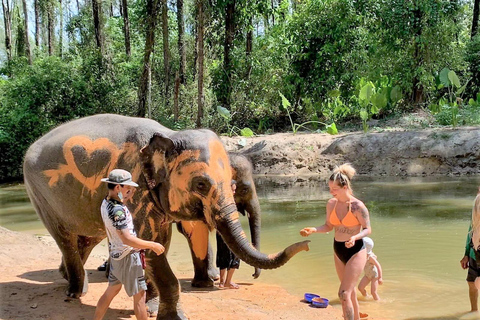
x,y
347,294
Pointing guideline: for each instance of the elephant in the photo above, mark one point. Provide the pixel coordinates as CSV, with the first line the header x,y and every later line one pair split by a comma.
x,y
182,176
247,203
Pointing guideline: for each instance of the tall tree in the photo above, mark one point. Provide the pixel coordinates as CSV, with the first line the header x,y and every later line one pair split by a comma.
x,y
166,51
28,52
200,53
36,5
126,28
7,18
98,25
143,87
227,50
181,41
476,8
60,37
50,27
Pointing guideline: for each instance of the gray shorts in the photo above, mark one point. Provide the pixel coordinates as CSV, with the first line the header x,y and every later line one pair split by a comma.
x,y
129,272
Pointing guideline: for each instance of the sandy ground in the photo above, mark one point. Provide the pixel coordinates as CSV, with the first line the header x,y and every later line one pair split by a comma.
x,y
32,288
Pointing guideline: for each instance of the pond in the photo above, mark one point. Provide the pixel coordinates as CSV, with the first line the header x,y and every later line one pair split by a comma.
x,y
419,228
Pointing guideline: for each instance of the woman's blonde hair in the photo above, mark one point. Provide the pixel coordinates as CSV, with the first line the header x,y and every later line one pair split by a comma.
x,y
476,214
343,175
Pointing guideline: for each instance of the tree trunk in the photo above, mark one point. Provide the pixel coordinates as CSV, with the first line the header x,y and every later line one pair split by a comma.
x,y
7,17
60,40
195,50
200,31
166,52
152,16
417,90
51,26
181,42
476,9
175,99
28,52
249,48
126,28
97,22
37,22
227,49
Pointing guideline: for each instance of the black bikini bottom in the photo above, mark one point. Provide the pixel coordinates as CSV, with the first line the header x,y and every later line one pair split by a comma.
x,y
344,253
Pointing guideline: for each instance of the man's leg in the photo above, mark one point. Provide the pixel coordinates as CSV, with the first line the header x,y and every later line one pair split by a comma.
x,y
139,307
105,300
473,294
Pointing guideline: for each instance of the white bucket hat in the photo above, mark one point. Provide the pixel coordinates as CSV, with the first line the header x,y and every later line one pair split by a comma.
x,y
120,176
368,244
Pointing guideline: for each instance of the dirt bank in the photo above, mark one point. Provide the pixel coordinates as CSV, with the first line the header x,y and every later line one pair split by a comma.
x,y
385,153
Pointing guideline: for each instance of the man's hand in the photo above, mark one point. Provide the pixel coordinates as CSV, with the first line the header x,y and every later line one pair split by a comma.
x,y
158,248
464,262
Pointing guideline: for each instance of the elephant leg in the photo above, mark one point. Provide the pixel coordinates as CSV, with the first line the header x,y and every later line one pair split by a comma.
x,y
197,233
85,247
72,264
71,267
159,273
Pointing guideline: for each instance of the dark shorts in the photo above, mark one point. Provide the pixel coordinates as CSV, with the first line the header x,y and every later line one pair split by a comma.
x,y
472,270
344,253
225,257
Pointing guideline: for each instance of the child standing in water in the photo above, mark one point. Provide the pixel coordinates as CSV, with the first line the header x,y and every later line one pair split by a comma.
x,y
372,270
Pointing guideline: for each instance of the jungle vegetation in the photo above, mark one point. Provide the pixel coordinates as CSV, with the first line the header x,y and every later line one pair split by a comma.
x,y
235,66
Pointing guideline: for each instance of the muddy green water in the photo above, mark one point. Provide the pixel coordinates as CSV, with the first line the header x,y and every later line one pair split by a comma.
x,y
419,228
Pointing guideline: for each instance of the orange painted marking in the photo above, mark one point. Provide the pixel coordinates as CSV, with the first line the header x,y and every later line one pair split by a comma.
x,y
91,183
218,169
198,233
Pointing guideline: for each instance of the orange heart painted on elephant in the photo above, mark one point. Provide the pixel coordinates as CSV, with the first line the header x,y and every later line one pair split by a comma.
x,y
81,151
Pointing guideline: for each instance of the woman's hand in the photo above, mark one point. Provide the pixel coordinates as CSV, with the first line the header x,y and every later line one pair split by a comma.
x,y
464,262
350,243
305,232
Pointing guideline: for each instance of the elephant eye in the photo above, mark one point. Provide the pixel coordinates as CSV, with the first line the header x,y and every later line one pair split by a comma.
x,y
201,185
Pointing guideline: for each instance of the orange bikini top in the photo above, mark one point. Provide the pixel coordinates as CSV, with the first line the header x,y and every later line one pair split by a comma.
x,y
348,221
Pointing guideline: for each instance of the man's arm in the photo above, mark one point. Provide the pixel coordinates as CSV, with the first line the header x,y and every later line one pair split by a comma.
x,y
135,242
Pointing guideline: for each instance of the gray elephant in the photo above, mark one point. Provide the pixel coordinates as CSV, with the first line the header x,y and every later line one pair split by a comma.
x,y
182,176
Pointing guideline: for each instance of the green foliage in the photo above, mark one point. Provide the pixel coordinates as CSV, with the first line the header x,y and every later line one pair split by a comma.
x,y
225,114
331,129
447,109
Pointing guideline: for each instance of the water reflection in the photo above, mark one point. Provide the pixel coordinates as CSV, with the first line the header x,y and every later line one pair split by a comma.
x,y
419,229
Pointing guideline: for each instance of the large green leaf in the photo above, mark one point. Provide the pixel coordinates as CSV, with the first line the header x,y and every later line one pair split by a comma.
x,y
224,112
444,77
396,94
452,76
285,102
332,128
246,132
366,92
379,101
364,115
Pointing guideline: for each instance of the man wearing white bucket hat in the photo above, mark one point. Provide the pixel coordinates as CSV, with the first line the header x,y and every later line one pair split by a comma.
x,y
126,265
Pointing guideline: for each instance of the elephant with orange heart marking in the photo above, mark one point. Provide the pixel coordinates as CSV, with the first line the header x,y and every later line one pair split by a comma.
x,y
182,176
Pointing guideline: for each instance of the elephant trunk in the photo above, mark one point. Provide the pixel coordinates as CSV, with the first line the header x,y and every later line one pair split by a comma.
x,y
255,224
228,225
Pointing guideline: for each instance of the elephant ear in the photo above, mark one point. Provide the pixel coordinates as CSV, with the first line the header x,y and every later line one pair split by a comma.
x,y
254,153
152,157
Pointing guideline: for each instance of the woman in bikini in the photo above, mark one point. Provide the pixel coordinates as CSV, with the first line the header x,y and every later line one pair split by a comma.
x,y
350,219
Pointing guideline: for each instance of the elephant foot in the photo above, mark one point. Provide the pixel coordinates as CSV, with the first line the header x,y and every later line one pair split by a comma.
x,y
74,295
164,314
213,273
152,306
202,283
